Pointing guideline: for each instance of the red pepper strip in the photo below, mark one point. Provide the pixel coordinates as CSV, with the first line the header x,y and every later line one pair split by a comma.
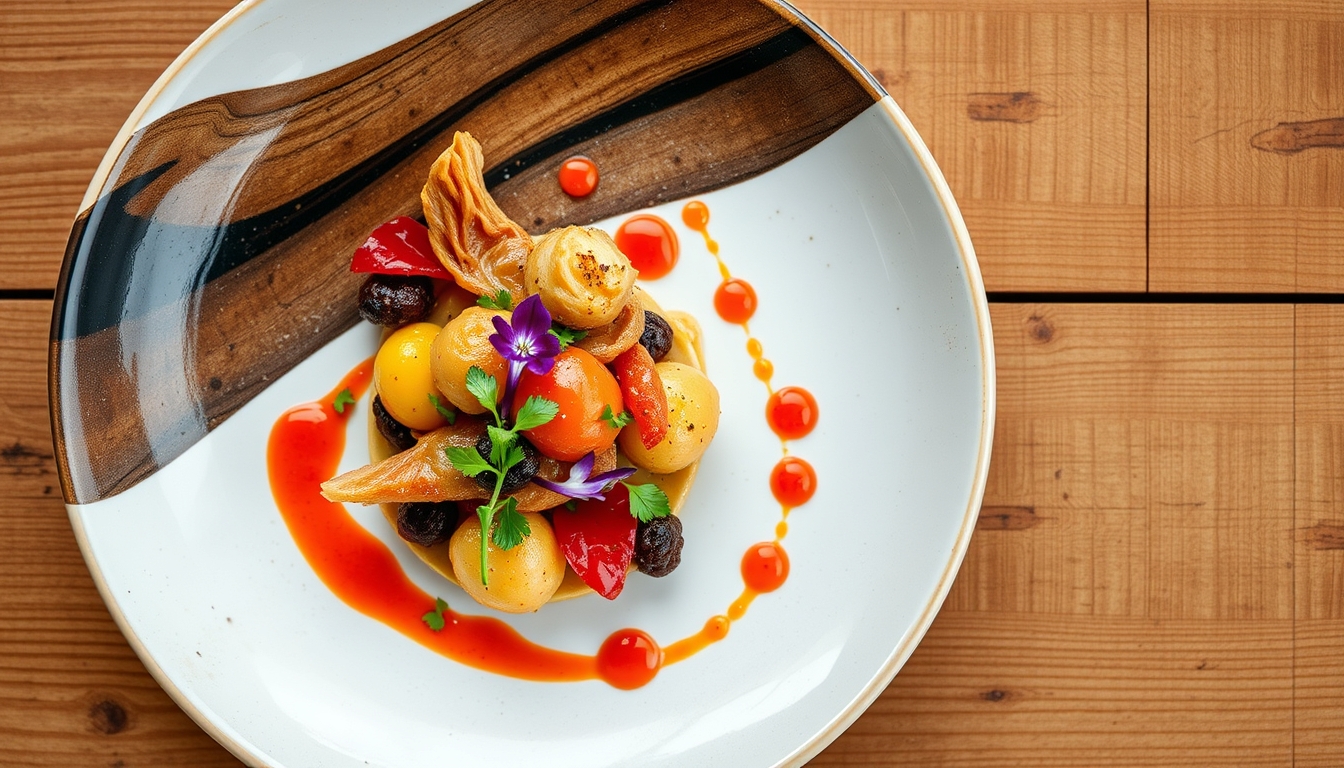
x,y
598,539
642,391
399,247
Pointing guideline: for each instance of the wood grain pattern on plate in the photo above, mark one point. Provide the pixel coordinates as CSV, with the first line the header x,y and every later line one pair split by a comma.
x,y
215,257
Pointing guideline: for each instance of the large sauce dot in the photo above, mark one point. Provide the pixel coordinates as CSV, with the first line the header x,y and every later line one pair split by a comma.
x,y
578,176
628,659
793,481
735,300
791,412
649,243
765,567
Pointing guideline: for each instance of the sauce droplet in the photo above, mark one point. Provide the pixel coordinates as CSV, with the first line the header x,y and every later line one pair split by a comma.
x,y
628,659
792,412
695,215
649,243
735,300
578,176
793,481
765,567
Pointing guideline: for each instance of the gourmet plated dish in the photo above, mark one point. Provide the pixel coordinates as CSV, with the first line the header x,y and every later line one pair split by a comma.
x,y
537,418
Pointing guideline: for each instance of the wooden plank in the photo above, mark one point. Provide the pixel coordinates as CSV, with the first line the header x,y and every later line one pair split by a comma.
x,y
1036,115
70,73
1319,603
27,467
1247,176
1009,689
1127,597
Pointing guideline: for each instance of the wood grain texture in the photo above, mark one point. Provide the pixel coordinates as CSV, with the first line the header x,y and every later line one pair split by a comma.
x,y
1228,213
1075,170
70,73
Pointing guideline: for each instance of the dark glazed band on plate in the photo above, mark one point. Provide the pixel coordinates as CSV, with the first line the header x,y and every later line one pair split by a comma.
x,y
216,256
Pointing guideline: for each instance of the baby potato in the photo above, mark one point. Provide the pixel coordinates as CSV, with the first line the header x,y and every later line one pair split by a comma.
x,y
693,418
464,342
522,579
401,374
450,301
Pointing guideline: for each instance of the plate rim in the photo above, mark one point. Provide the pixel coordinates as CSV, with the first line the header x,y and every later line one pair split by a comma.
x,y
912,637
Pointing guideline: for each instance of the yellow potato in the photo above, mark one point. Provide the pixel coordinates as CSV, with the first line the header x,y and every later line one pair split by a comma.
x,y
450,301
464,342
401,374
522,579
693,418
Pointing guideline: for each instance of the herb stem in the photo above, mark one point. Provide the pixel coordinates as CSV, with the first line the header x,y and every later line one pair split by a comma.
x,y
487,517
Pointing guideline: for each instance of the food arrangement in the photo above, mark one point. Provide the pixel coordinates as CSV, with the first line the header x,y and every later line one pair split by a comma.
x,y
538,418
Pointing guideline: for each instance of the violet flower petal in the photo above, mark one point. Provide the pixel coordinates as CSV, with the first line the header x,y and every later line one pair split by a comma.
x,y
581,485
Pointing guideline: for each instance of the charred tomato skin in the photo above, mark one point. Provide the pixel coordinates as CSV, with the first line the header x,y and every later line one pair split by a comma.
x,y
396,300
396,434
657,336
658,546
519,474
426,522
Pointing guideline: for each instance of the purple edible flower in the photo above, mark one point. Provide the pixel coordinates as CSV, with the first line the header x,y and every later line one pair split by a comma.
x,y
582,484
527,343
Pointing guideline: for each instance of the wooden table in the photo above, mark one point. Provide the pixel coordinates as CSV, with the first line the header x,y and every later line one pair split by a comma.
x,y
1156,194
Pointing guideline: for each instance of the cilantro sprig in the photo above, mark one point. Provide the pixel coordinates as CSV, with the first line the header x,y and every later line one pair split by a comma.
x,y
447,413
344,398
434,619
616,420
502,301
501,522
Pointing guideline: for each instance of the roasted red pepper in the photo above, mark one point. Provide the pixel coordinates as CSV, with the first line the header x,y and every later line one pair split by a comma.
x,y
643,394
598,539
399,247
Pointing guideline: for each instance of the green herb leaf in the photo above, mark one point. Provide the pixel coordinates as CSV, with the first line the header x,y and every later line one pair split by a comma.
x,y
501,301
648,501
447,413
616,420
572,505
566,336
435,617
512,527
500,442
343,398
535,412
468,461
484,388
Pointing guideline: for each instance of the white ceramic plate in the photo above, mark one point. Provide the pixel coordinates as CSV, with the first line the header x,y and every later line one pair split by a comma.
x,y
870,297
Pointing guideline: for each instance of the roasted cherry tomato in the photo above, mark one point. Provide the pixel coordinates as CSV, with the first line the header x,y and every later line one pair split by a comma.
x,y
399,247
642,390
584,389
598,540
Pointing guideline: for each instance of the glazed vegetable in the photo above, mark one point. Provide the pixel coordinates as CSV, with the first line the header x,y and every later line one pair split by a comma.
x,y
465,342
642,391
394,432
402,376
583,389
612,339
658,546
580,275
395,300
484,249
399,247
693,418
426,522
521,579
656,336
598,540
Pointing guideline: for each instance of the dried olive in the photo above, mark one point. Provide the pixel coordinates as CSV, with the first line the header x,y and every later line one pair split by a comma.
x,y
657,336
426,522
519,474
396,434
395,300
658,545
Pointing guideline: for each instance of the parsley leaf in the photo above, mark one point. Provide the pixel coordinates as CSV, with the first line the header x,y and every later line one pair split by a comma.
x,y
447,413
648,501
535,412
502,301
484,387
343,399
500,442
566,336
512,528
435,617
468,461
616,420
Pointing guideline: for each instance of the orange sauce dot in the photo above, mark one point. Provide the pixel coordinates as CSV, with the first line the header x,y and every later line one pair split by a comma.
x,y
649,243
735,300
781,529
793,481
791,412
578,176
628,659
695,215
765,567
764,369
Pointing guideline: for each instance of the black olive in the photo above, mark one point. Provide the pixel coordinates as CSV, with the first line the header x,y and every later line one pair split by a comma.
x,y
426,522
397,435
657,335
395,300
658,545
519,474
